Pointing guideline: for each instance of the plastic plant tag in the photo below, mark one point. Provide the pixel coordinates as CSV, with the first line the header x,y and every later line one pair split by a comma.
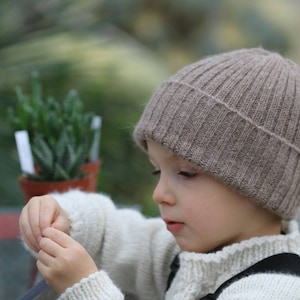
x,y
96,126
24,151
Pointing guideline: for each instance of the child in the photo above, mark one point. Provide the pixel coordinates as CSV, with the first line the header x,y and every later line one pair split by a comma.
x,y
223,135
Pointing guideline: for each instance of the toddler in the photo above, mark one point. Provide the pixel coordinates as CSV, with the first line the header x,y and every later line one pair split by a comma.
x,y
223,135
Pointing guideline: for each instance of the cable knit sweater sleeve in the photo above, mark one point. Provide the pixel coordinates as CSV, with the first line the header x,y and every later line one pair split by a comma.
x,y
263,287
134,252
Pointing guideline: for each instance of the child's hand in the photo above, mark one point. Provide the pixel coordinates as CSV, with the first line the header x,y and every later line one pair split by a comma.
x,y
62,261
40,213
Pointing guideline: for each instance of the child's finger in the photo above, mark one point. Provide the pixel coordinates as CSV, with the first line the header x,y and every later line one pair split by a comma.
x,y
48,211
45,258
59,237
50,247
61,223
29,223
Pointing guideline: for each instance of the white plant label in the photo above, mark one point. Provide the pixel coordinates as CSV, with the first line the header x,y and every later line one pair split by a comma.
x,y
96,125
24,151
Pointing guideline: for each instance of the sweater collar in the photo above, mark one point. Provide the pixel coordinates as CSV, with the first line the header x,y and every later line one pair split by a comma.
x,y
207,271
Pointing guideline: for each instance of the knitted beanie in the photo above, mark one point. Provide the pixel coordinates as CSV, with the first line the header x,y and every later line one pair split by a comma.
x,y
236,116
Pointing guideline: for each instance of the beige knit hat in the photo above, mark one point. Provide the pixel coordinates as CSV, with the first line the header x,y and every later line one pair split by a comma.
x,y
237,116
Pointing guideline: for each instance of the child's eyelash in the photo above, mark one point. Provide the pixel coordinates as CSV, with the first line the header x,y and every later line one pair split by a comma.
x,y
181,173
155,172
187,174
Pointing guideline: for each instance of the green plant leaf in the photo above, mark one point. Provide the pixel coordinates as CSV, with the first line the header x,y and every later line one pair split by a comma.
x,y
60,131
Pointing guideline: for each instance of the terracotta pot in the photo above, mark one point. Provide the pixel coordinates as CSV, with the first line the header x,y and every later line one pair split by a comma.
x,y
88,183
92,168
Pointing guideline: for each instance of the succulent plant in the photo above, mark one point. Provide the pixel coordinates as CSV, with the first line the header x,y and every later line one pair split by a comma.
x,y
60,132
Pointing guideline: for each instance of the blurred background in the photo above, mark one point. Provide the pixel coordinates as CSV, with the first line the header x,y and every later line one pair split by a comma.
x,y
115,53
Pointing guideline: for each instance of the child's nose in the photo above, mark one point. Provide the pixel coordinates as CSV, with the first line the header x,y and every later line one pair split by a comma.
x,y
162,193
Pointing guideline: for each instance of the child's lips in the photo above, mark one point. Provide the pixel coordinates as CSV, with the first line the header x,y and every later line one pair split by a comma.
x,y
174,226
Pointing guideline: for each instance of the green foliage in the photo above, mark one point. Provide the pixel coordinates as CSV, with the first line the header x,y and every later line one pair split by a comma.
x,y
60,132
115,52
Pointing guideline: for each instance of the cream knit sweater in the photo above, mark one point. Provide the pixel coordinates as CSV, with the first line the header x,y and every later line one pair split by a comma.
x,y
133,255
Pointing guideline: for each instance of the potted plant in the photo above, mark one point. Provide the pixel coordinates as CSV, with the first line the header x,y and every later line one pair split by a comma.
x,y
62,139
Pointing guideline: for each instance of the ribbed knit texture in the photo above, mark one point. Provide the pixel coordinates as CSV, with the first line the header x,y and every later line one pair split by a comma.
x,y
235,115
96,286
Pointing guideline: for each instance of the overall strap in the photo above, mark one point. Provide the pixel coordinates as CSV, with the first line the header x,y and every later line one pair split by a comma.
x,y
174,268
286,263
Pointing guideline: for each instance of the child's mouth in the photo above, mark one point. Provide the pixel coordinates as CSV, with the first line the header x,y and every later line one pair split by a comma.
x,y
174,226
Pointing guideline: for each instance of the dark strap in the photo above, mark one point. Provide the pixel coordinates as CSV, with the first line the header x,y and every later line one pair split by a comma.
x,y
286,263
40,291
174,268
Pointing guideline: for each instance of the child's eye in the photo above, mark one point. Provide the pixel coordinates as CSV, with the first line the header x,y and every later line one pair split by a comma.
x,y
187,174
156,172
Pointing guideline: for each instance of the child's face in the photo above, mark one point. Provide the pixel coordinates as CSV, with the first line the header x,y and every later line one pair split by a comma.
x,y
202,213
